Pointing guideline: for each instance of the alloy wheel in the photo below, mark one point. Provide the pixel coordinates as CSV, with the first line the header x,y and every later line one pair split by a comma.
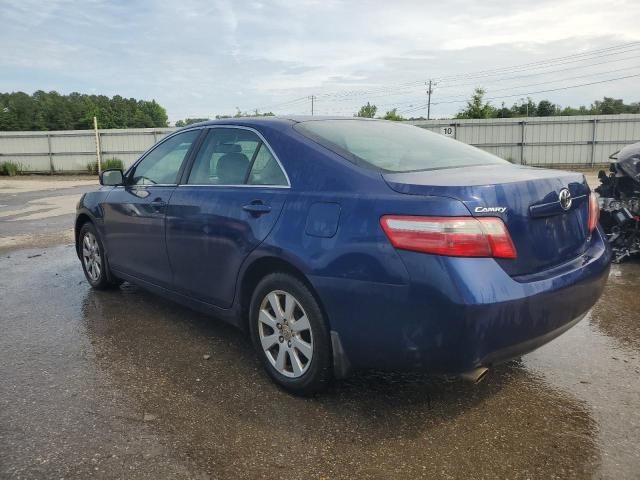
x,y
285,334
91,256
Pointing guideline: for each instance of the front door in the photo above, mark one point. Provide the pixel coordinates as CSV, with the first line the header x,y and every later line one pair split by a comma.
x,y
228,204
134,215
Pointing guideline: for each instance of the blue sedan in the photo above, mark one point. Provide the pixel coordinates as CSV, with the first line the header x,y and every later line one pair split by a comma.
x,y
343,244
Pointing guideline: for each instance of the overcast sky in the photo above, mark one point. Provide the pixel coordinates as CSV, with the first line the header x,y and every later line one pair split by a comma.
x,y
207,58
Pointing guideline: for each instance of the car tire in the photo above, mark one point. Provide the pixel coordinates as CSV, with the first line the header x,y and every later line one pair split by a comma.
x,y
293,343
94,261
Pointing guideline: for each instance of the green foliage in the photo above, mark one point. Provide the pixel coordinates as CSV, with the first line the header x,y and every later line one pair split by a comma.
x,y
9,168
504,112
189,121
611,106
92,167
477,107
582,110
545,109
393,115
112,163
239,113
52,111
367,111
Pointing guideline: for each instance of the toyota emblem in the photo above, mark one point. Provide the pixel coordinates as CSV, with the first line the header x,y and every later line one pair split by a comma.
x,y
565,199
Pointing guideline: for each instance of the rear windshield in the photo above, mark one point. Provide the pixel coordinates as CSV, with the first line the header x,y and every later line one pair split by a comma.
x,y
393,147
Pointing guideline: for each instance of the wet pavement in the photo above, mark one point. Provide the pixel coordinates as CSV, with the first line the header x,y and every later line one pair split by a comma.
x,y
39,210
116,385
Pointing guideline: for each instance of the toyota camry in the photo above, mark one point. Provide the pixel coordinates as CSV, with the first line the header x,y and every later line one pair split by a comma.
x,y
341,244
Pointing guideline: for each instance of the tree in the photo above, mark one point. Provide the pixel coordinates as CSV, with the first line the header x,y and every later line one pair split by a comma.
x,y
525,109
504,112
239,113
477,107
545,109
608,106
190,121
393,115
53,111
367,111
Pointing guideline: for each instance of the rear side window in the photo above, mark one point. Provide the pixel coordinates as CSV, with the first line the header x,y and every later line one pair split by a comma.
x,y
234,156
393,147
266,169
224,157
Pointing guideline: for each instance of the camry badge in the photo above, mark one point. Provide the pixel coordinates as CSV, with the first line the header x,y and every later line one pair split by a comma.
x,y
564,197
490,209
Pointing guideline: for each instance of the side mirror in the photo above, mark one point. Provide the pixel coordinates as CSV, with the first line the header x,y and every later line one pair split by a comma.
x,y
112,177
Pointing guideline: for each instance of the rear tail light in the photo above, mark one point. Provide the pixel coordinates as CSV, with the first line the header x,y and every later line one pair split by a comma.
x,y
594,212
453,236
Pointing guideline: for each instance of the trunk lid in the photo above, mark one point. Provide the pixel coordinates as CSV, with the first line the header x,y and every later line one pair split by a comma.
x,y
528,201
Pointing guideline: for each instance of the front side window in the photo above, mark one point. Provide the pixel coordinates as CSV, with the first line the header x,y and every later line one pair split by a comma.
x,y
393,147
234,156
162,164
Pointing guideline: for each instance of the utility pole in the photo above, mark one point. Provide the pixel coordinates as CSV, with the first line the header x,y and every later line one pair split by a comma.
x,y
98,156
429,92
527,105
313,97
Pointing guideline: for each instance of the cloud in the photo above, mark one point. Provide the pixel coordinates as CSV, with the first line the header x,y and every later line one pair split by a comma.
x,y
207,57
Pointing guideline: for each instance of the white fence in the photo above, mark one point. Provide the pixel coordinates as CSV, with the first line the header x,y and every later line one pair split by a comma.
x,y
580,141
74,150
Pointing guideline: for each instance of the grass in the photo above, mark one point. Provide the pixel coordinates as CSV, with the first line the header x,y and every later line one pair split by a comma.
x,y
10,169
92,167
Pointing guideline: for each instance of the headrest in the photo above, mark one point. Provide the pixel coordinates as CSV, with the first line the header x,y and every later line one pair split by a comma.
x,y
232,168
228,148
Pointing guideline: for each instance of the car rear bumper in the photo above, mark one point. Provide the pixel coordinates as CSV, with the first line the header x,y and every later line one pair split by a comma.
x,y
457,314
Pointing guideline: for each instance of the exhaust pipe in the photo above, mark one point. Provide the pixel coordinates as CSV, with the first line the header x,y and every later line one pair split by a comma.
x,y
476,375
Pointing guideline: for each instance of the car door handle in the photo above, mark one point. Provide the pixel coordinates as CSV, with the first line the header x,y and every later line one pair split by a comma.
x,y
257,208
158,204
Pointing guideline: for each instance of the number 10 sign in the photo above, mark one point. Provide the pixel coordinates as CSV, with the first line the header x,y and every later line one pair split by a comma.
x,y
448,131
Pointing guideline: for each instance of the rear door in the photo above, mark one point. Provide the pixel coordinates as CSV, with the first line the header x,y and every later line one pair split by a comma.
x,y
134,215
226,205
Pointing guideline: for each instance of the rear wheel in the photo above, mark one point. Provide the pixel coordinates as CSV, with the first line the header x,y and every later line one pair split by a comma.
x,y
290,334
94,261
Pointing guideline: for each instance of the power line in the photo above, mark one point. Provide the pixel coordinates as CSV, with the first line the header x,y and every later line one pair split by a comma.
x,y
562,60
531,93
450,81
577,57
534,74
551,81
283,103
499,71
499,80
559,88
412,86
412,103
502,80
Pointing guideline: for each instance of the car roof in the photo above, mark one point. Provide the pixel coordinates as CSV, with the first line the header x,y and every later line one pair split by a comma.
x,y
272,120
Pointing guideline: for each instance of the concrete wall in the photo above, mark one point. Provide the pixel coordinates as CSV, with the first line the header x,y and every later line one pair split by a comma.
x,y
579,141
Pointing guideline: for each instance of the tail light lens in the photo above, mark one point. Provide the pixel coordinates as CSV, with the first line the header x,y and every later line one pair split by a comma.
x,y
594,212
453,236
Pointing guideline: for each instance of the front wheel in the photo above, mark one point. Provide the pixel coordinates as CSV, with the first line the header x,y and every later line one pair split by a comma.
x,y
290,334
94,262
